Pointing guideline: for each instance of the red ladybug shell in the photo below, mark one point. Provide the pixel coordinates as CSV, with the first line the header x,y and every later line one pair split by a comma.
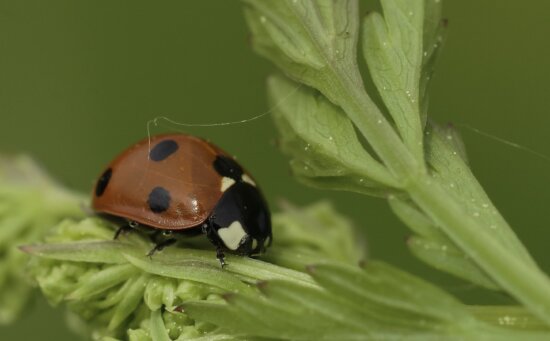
x,y
167,182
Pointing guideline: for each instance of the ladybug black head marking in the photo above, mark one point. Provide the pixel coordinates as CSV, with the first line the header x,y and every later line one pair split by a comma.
x,y
227,167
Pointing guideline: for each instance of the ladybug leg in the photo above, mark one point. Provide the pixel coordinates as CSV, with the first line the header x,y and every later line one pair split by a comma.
x,y
210,232
129,226
121,229
154,237
160,246
220,256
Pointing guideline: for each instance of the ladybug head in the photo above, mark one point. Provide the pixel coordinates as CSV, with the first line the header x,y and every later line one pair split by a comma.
x,y
241,220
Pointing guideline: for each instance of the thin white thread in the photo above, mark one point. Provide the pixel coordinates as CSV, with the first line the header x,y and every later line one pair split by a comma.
x,y
506,142
155,120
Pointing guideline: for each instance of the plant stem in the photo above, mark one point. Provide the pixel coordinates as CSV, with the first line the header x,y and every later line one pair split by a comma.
x,y
339,79
529,285
526,283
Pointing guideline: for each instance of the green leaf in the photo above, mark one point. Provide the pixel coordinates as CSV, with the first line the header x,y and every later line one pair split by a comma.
x,y
246,269
306,38
377,303
393,51
103,280
401,48
512,317
317,232
446,157
304,304
162,292
192,270
448,161
382,285
434,35
30,203
112,287
432,26
322,140
435,248
260,316
130,301
225,337
314,42
94,251
217,313
415,219
453,199
448,258
417,45
158,330
110,296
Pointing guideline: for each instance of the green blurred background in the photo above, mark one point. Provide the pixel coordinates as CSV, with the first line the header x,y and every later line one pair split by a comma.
x,y
80,79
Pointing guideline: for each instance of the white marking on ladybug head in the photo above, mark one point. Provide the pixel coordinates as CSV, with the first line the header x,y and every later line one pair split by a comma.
x,y
233,235
226,183
248,179
267,240
254,243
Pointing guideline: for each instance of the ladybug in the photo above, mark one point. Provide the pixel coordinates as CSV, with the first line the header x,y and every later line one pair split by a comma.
x,y
178,184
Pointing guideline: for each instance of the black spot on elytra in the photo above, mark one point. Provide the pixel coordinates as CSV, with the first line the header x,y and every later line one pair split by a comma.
x,y
163,150
226,166
159,200
103,182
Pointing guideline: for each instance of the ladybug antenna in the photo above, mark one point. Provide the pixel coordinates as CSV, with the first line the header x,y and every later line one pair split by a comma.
x,y
155,121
